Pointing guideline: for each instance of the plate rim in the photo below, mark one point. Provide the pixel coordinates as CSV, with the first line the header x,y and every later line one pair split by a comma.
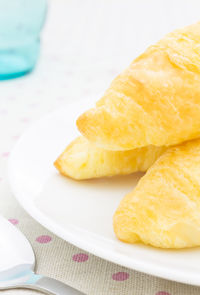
x,y
54,227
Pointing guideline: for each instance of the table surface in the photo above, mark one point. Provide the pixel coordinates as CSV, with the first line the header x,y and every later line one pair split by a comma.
x,y
84,45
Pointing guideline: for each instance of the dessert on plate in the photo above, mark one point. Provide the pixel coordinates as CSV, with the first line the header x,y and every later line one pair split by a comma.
x,y
149,119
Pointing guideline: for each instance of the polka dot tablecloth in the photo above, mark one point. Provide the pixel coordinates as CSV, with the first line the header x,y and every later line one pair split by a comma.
x,y
75,62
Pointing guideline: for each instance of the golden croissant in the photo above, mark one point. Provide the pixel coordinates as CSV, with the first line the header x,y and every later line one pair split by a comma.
x,y
83,160
155,101
164,208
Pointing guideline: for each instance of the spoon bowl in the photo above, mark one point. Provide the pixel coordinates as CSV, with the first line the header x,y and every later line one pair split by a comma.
x,y
17,261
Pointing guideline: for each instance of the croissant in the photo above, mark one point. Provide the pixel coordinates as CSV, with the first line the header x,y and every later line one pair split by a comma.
x,y
83,160
155,101
164,208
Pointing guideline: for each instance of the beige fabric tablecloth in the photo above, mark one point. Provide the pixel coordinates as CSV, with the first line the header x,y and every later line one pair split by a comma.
x,y
81,52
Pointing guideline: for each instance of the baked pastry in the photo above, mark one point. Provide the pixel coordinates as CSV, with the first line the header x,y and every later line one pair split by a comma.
x,y
83,160
164,208
155,101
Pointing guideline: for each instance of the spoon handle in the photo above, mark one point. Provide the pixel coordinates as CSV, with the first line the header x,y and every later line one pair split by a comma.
x,y
49,286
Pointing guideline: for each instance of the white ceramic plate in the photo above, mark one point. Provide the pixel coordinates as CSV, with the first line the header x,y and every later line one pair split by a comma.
x,y
81,212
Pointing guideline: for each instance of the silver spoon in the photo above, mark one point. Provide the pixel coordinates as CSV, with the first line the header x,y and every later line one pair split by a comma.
x,y
17,263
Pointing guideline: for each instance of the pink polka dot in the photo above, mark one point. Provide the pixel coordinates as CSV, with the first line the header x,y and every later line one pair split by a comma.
x,y
43,239
13,221
120,276
15,137
81,257
39,91
3,112
25,120
162,293
5,154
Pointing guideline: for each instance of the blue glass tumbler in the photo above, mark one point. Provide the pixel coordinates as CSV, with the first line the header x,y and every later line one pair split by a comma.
x,y
20,25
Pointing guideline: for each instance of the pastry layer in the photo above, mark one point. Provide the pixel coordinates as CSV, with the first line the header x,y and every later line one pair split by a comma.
x,y
83,160
155,101
164,209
